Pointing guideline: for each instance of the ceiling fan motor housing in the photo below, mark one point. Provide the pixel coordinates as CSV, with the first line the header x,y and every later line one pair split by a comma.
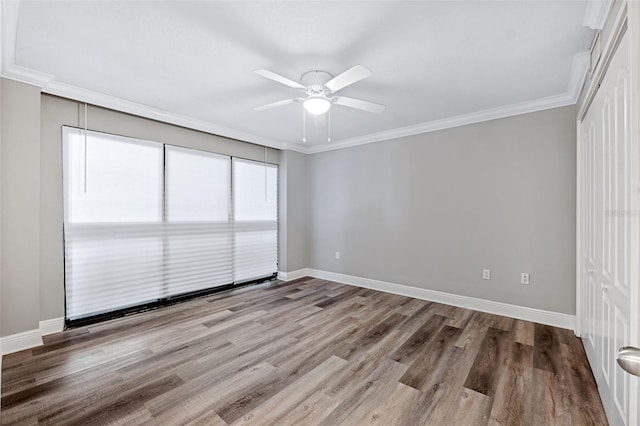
x,y
314,81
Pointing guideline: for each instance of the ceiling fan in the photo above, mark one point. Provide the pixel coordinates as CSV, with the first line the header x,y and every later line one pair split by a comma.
x,y
319,87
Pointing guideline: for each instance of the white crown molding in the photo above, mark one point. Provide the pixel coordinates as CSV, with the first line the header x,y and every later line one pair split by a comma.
x,y
447,123
555,319
596,14
579,68
51,86
27,75
111,102
578,73
48,84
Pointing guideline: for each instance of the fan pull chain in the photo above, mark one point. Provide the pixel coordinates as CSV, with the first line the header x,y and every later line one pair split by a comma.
x,y
329,125
85,148
304,126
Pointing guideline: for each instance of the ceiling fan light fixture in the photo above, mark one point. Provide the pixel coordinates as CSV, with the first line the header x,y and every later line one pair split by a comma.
x,y
317,105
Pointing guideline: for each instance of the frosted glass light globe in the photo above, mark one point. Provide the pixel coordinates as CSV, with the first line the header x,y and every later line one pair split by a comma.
x,y
317,105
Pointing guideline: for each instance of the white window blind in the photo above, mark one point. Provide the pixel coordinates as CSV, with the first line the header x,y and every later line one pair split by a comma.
x,y
255,189
113,222
199,237
145,221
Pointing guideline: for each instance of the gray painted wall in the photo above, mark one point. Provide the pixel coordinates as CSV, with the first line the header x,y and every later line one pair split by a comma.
x,y
20,192
293,211
433,210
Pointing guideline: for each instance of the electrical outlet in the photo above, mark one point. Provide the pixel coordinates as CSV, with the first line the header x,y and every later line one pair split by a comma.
x,y
337,255
486,274
524,278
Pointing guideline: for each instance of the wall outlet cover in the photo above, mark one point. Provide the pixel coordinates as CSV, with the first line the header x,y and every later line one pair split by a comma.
x,y
486,274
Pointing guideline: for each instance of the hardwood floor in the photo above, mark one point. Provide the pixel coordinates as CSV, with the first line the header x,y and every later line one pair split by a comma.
x,y
305,352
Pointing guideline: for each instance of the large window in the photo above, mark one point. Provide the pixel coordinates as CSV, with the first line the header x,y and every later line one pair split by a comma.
x,y
145,221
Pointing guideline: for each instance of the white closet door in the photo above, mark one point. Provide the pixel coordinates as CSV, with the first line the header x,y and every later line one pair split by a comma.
x,y
606,217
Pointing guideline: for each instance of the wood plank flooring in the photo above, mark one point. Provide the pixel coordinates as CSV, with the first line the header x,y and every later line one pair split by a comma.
x,y
309,352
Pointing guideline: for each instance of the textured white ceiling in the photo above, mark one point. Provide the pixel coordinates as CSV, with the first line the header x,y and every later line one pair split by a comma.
x,y
429,60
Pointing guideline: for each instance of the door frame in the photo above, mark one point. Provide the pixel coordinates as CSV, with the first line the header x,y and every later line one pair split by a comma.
x,y
627,17
634,330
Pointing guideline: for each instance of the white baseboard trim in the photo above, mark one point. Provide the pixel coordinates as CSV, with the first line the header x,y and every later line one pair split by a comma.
x,y
555,319
30,338
293,275
20,341
51,326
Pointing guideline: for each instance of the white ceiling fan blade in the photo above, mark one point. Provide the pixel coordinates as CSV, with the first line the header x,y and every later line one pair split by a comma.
x,y
275,104
348,77
359,104
280,79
